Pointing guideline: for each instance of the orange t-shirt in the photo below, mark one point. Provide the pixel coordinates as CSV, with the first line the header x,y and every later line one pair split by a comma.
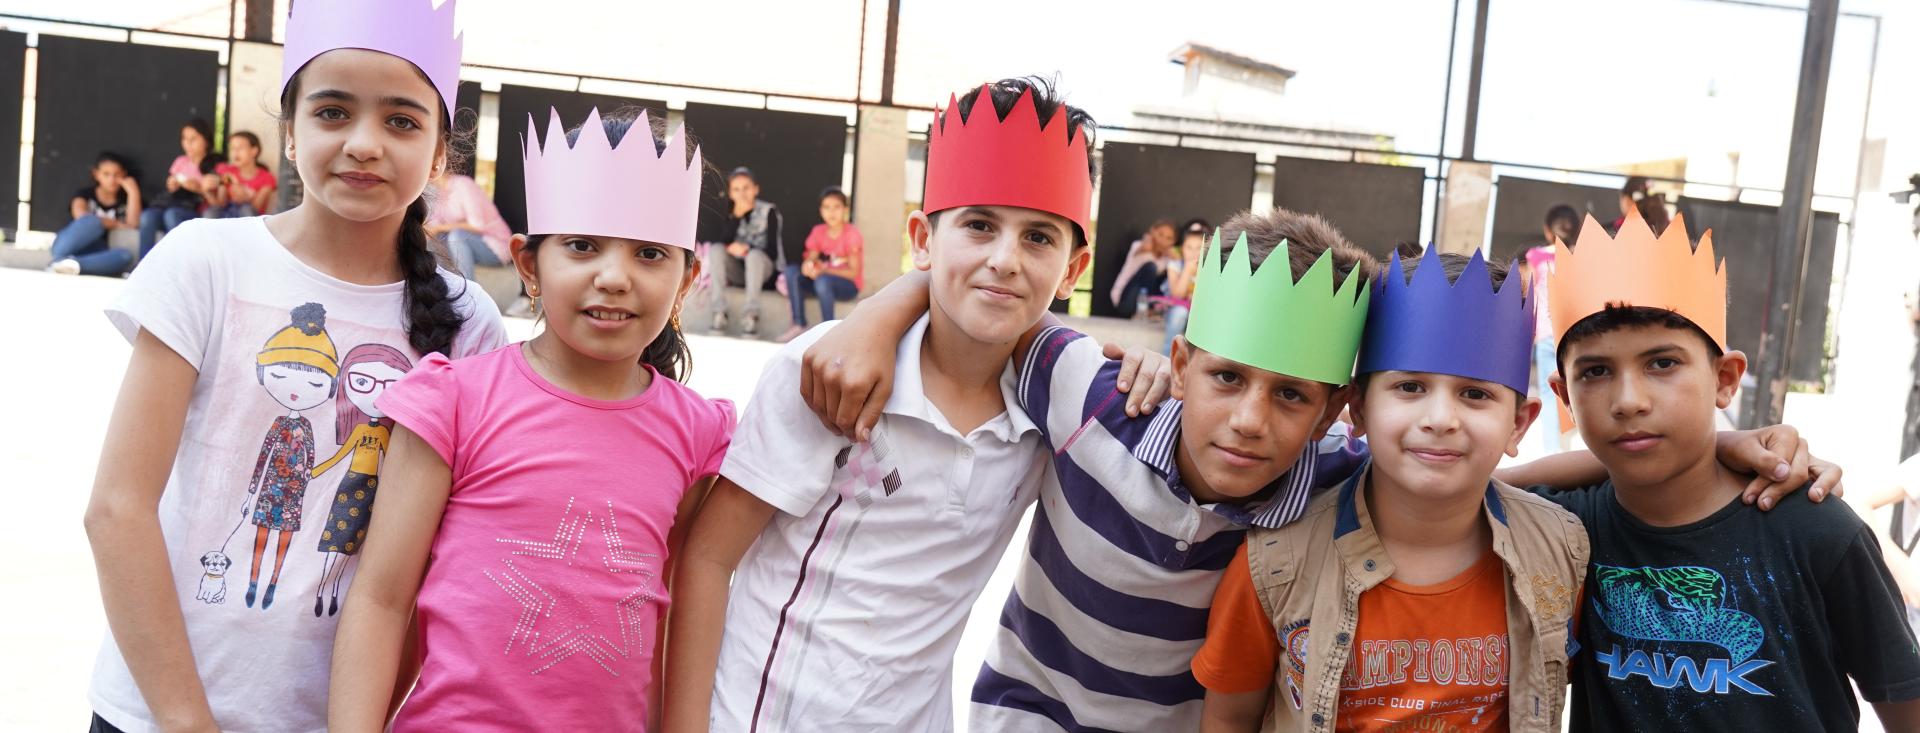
x,y
1426,658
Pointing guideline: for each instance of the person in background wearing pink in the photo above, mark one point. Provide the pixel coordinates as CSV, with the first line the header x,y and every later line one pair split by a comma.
x,y
465,221
832,267
188,179
246,187
1145,271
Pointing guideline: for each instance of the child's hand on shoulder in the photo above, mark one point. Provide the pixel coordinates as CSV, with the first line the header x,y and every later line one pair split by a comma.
x,y
1141,366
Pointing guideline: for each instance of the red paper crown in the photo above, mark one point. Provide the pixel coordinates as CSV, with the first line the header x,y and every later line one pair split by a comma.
x,y
987,161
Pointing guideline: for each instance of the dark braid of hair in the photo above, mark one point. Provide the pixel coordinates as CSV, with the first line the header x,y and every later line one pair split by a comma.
x,y
432,320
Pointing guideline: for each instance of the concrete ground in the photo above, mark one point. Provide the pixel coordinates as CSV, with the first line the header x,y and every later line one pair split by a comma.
x,y
63,362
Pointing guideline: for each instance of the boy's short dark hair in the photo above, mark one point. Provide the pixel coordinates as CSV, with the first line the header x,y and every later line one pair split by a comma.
x,y
1616,317
743,172
1307,235
1563,212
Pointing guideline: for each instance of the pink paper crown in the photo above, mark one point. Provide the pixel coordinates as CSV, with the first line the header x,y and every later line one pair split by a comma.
x,y
597,189
410,29
984,160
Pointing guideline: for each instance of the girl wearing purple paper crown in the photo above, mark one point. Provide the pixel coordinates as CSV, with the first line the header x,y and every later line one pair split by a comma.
x,y
549,482
366,119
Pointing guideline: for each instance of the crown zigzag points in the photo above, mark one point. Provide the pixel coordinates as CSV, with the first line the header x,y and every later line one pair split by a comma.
x,y
593,187
1264,317
1467,327
1637,268
985,160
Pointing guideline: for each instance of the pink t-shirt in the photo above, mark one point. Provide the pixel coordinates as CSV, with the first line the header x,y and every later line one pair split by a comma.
x,y
838,250
542,603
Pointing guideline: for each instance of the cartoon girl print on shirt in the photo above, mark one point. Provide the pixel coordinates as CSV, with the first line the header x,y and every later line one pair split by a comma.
x,y
298,369
362,431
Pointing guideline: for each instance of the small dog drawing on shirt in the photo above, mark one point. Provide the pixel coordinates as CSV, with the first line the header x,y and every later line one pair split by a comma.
x,y
213,584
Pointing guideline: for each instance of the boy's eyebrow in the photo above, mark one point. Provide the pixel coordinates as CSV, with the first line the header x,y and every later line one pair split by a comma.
x,y
980,211
1045,226
1661,349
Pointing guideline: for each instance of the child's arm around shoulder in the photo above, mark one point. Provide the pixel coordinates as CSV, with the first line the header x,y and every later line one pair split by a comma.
x,y
368,647
1776,457
847,375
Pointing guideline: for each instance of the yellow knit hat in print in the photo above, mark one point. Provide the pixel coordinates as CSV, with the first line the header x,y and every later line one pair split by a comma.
x,y
304,341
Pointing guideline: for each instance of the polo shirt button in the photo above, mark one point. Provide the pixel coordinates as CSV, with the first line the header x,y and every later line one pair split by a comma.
x,y
1341,638
1319,720
1369,564
966,453
1181,545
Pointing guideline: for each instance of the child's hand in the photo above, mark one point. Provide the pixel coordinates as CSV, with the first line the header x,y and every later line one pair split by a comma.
x,y
1139,366
846,377
1781,464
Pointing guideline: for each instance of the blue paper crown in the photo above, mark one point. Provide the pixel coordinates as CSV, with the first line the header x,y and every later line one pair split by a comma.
x,y
1465,328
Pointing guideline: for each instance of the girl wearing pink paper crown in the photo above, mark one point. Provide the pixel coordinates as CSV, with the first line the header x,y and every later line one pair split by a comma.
x,y
559,473
365,103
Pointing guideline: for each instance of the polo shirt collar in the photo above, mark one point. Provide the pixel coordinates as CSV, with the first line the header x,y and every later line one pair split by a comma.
x,y
909,398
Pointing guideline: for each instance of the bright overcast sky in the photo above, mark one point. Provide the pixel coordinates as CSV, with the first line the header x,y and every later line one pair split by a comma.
x,y
1576,83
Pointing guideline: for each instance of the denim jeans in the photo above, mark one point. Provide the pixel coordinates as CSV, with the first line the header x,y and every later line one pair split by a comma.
x,y
231,211
85,241
469,250
828,288
1176,319
160,220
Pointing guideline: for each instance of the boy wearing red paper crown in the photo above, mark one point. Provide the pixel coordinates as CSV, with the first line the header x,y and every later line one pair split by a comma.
x,y
854,563
1701,613
1424,594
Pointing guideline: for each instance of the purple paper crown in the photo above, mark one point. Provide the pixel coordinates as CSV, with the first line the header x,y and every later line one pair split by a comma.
x,y
1465,328
411,29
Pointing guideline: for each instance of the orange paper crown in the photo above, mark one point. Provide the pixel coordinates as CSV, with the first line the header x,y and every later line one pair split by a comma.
x,y
1636,268
986,161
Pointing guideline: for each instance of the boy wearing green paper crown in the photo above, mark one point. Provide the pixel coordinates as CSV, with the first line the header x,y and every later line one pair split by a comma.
x,y
1141,512
1423,594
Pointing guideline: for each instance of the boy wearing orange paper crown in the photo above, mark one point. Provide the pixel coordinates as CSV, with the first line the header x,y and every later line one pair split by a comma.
x,y
853,564
1141,513
1423,594
1700,613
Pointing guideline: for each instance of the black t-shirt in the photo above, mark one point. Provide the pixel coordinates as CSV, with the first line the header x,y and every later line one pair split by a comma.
x,y
1744,621
115,209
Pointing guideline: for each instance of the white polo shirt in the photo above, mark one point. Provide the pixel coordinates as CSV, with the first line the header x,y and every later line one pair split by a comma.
x,y
846,612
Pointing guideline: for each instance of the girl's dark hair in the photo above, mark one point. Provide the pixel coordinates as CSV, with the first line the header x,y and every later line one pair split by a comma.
x,y
834,192
432,319
251,138
200,125
668,354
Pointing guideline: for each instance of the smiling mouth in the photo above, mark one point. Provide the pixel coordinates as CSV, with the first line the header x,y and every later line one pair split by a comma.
x,y
1237,457
1636,441
607,315
360,179
1001,293
1436,455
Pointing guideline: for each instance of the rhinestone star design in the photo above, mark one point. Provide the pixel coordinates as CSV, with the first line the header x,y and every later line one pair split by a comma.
x,y
559,586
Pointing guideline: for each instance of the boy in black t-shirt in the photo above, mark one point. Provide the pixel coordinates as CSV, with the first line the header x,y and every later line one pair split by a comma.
x,y
1702,613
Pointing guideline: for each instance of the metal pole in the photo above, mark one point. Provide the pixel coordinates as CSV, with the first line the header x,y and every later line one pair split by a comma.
x,y
1786,288
1472,128
1446,102
259,23
893,46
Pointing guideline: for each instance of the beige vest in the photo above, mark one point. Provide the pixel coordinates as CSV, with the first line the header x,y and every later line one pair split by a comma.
x,y
1309,576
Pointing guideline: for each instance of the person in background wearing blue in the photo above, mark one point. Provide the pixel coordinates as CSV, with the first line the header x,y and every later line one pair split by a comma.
x,y
112,202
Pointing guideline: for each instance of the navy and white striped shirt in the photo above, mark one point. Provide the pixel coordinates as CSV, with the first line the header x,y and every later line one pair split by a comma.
x,y
1110,603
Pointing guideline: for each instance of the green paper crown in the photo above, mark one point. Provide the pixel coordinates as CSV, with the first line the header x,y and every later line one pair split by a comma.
x,y
1265,319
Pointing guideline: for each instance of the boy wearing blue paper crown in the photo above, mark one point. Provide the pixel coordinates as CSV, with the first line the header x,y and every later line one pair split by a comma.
x,y
1423,594
1700,613
1141,513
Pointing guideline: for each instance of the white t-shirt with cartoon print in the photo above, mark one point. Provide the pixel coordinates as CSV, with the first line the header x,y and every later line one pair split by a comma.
x,y
278,464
